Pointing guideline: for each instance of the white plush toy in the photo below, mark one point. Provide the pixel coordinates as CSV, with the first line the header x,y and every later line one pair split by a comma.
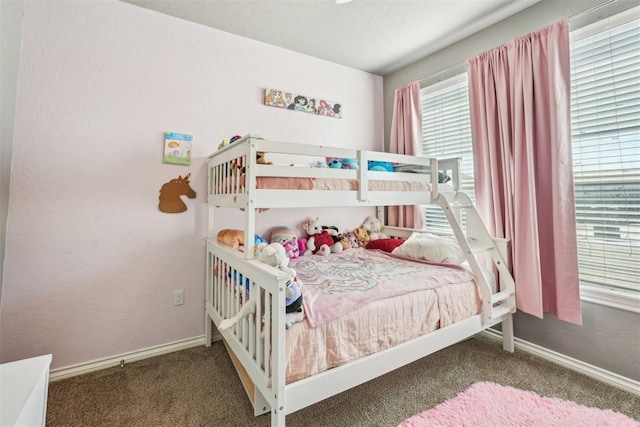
x,y
275,255
373,226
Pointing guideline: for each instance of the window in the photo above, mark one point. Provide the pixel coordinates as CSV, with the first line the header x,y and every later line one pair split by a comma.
x,y
446,133
605,120
605,115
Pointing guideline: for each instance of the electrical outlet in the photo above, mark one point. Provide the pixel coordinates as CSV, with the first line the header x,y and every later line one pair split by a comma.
x,y
178,297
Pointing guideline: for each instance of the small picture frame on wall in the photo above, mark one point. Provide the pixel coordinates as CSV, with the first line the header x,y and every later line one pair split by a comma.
x,y
303,103
177,148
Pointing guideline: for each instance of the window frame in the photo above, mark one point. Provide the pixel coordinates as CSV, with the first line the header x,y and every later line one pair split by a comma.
x,y
600,294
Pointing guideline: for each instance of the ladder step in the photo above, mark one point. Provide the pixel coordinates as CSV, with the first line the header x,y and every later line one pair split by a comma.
x,y
460,206
479,248
458,201
501,296
500,311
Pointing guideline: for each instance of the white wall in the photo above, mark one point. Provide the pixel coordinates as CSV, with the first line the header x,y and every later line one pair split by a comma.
x,y
609,338
10,36
91,263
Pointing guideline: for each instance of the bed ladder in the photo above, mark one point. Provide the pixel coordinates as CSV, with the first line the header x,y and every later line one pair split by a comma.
x,y
474,242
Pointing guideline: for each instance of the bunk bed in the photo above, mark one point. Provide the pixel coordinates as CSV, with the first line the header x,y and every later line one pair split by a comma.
x,y
261,347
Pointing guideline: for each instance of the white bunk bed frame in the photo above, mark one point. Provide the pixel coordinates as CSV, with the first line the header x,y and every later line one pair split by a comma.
x,y
257,343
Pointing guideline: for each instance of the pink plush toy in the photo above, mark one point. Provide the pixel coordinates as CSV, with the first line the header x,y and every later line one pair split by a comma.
x,y
353,240
302,246
292,248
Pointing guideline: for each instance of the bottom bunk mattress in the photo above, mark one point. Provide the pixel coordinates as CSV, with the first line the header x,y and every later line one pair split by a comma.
x,y
363,301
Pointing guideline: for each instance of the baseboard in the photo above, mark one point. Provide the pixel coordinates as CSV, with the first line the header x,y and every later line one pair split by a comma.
x,y
616,380
119,360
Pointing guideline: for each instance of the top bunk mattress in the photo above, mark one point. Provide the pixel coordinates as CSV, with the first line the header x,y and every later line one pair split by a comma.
x,y
334,184
337,184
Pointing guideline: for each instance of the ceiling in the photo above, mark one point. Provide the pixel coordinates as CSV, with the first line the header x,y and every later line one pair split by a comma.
x,y
377,36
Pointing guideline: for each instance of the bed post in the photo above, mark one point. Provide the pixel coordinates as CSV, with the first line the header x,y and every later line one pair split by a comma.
x,y
250,209
208,285
507,334
278,358
208,332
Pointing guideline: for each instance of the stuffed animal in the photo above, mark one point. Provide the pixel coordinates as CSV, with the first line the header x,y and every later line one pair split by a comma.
x,y
362,235
231,237
373,226
350,164
234,138
286,236
334,163
261,159
321,240
291,248
275,255
281,234
344,241
302,246
380,166
259,243
338,163
353,240
235,239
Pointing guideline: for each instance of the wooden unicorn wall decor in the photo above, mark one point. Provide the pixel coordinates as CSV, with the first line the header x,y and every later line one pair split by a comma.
x,y
170,201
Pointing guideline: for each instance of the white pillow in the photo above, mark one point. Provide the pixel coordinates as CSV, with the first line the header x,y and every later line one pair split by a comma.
x,y
431,247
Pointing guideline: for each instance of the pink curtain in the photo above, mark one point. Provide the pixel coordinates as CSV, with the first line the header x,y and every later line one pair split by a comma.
x,y
520,118
406,138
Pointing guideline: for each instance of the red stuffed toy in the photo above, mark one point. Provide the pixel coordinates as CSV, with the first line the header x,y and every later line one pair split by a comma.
x,y
320,239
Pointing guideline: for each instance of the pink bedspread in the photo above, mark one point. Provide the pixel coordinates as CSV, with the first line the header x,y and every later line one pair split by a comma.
x,y
376,327
338,284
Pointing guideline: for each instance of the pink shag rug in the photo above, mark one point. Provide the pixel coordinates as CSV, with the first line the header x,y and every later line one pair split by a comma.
x,y
489,404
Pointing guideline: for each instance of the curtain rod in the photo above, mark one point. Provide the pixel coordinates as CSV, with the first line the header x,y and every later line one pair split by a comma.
x,y
574,16
445,70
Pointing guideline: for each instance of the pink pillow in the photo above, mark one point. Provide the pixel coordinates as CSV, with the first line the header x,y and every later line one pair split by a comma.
x,y
386,245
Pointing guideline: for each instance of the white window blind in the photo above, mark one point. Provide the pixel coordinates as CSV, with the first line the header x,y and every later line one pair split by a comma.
x,y
446,133
605,119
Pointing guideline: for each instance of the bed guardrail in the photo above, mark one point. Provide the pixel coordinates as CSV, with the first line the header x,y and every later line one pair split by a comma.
x,y
233,171
255,290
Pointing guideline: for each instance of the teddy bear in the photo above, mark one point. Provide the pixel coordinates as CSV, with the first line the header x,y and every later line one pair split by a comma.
x,y
321,240
344,241
373,226
231,237
362,235
261,158
235,239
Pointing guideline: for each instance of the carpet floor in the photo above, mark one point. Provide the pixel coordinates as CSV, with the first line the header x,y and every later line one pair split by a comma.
x,y
199,387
